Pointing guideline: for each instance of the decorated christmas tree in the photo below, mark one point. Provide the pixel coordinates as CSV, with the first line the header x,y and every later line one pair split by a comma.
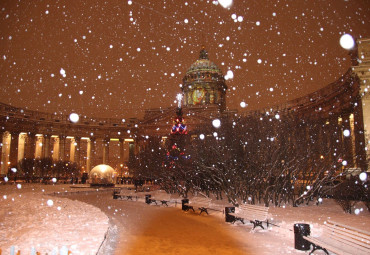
x,y
177,141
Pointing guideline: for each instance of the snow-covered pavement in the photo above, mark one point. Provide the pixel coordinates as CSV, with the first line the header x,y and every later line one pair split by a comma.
x,y
29,218
81,220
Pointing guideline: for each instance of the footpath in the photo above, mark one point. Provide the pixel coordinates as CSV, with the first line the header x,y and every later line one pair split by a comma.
x,y
138,228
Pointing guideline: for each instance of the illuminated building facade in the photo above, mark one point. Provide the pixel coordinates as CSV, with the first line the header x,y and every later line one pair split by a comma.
x,y
343,104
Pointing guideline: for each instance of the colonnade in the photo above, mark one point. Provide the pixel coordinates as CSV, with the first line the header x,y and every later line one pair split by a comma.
x,y
362,70
85,151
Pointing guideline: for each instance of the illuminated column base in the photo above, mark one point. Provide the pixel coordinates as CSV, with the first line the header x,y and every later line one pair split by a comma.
x,y
5,150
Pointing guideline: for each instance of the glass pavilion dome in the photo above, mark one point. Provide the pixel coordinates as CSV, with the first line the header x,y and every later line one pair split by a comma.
x,y
102,175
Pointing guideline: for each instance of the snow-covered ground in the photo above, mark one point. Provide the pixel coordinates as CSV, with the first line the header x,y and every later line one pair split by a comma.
x,y
31,216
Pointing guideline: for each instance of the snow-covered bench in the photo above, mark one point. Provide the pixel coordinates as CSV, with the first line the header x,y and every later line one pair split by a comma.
x,y
160,196
123,193
256,214
203,204
341,239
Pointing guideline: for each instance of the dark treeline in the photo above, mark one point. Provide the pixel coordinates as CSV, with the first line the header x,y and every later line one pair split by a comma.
x,y
266,158
31,170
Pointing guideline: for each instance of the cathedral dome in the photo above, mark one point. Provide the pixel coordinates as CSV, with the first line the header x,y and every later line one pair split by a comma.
x,y
204,83
203,64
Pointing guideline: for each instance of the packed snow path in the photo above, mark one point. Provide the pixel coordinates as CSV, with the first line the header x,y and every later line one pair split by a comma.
x,y
27,219
150,229
138,228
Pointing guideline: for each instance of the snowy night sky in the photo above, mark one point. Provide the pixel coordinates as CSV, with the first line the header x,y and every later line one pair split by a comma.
x,y
118,58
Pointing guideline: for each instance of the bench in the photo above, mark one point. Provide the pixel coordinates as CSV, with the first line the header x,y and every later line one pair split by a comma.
x,y
162,197
341,239
203,204
256,215
128,194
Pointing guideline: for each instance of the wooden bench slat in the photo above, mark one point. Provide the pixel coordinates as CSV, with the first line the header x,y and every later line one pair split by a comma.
x,y
256,214
342,239
337,247
365,233
203,204
347,231
345,244
255,211
254,207
160,196
326,245
200,201
347,239
344,233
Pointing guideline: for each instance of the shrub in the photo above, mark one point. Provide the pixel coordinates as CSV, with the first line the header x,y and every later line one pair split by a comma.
x,y
349,192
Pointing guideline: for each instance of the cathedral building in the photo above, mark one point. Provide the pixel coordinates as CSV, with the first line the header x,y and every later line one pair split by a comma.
x,y
204,84
92,141
204,99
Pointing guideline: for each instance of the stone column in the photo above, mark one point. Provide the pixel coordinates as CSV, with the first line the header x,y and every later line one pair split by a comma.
x,y
92,152
55,141
328,134
121,151
13,157
62,147
88,156
72,150
359,135
362,70
106,151
31,146
21,146
338,137
1,150
347,141
39,147
46,146
77,150
5,153
131,151
366,121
